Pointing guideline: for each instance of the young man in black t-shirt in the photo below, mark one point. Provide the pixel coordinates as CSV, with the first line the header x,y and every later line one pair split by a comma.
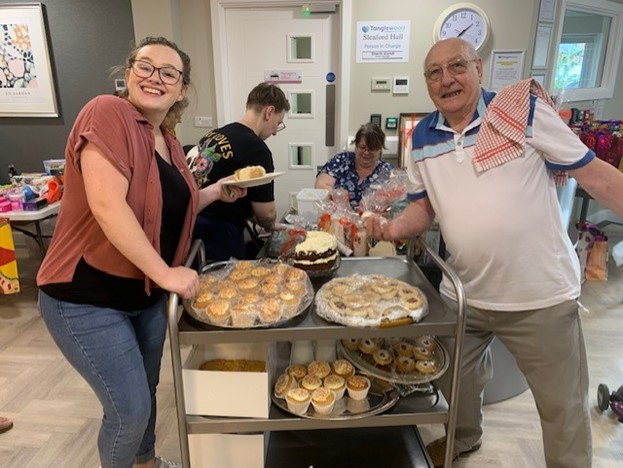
x,y
224,150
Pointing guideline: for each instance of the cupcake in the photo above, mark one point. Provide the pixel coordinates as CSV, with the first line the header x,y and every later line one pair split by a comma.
x,y
298,288
270,311
290,303
343,368
358,387
271,289
295,274
250,299
298,400
218,312
242,316
227,293
248,285
311,382
319,368
323,401
284,383
202,300
298,371
260,272
335,383
238,275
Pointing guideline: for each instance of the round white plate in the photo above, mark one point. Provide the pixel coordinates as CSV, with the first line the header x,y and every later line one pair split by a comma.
x,y
265,179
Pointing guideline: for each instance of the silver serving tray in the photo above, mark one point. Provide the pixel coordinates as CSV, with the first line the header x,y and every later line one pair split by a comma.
x,y
203,320
381,397
440,357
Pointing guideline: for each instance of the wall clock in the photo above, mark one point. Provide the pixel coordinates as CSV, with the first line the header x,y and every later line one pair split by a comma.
x,y
464,20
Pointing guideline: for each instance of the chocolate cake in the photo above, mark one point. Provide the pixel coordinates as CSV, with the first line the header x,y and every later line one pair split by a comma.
x,y
317,252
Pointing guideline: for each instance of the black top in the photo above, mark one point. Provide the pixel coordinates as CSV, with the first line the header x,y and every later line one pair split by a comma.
x,y
221,152
95,287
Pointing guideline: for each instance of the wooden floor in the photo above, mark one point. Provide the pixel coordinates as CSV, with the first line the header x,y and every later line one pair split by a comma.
x,y
57,417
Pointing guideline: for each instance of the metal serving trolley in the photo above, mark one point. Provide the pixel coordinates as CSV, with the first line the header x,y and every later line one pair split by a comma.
x,y
390,438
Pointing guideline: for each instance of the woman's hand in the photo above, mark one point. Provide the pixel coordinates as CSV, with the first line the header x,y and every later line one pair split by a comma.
x,y
181,280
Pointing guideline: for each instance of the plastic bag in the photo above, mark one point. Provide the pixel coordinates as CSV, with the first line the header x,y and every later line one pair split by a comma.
x,y
592,250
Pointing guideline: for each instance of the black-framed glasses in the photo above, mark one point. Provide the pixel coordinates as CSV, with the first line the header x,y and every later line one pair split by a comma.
x,y
365,148
281,126
168,75
455,67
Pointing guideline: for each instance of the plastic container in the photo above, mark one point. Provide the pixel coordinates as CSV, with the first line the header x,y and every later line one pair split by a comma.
x,y
309,201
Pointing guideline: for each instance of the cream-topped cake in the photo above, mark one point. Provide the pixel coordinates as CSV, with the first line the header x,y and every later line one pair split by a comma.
x,y
317,252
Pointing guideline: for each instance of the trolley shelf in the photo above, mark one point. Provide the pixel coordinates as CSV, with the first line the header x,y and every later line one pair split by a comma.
x,y
402,414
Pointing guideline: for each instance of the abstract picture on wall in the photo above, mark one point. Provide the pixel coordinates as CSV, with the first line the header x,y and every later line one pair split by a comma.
x,y
26,82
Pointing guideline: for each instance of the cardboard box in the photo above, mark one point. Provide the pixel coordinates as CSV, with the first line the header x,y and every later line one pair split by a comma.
x,y
216,393
309,201
228,450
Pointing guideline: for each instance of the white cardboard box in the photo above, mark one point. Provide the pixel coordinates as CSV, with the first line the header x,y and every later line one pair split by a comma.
x,y
216,393
228,450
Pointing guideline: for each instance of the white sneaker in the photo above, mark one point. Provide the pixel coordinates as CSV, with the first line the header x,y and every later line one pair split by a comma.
x,y
164,463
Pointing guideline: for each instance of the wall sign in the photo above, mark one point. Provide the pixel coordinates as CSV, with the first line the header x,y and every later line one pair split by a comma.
x,y
383,41
506,68
283,76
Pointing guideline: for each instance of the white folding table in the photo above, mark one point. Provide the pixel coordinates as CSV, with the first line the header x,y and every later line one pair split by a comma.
x,y
20,219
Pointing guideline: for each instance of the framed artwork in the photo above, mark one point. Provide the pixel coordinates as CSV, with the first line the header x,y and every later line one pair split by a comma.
x,y
406,124
26,81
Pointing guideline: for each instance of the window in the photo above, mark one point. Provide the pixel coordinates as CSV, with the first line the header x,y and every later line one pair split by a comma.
x,y
588,50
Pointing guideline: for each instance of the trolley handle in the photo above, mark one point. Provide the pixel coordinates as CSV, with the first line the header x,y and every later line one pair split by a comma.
x,y
458,344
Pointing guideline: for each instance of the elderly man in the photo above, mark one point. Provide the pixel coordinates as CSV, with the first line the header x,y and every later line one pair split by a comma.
x,y
501,221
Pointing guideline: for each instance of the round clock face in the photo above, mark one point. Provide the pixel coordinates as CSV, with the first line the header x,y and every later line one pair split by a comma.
x,y
469,22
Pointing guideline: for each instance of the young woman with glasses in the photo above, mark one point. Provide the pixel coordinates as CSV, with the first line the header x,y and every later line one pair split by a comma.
x,y
123,231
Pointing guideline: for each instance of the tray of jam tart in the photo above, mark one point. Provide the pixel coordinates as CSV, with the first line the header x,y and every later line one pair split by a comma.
x,y
397,360
250,294
331,390
370,301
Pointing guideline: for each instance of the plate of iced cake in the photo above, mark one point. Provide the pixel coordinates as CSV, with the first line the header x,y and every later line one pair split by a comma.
x,y
370,301
248,294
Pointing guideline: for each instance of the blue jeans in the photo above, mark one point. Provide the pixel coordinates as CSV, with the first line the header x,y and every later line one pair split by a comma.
x,y
118,353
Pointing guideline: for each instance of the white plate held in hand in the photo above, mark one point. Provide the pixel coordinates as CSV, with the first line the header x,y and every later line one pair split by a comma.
x,y
265,179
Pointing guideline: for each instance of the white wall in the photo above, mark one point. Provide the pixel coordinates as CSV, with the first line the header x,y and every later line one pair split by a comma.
x,y
511,25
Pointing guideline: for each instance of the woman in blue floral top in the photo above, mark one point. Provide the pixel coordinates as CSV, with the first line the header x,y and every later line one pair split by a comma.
x,y
356,171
